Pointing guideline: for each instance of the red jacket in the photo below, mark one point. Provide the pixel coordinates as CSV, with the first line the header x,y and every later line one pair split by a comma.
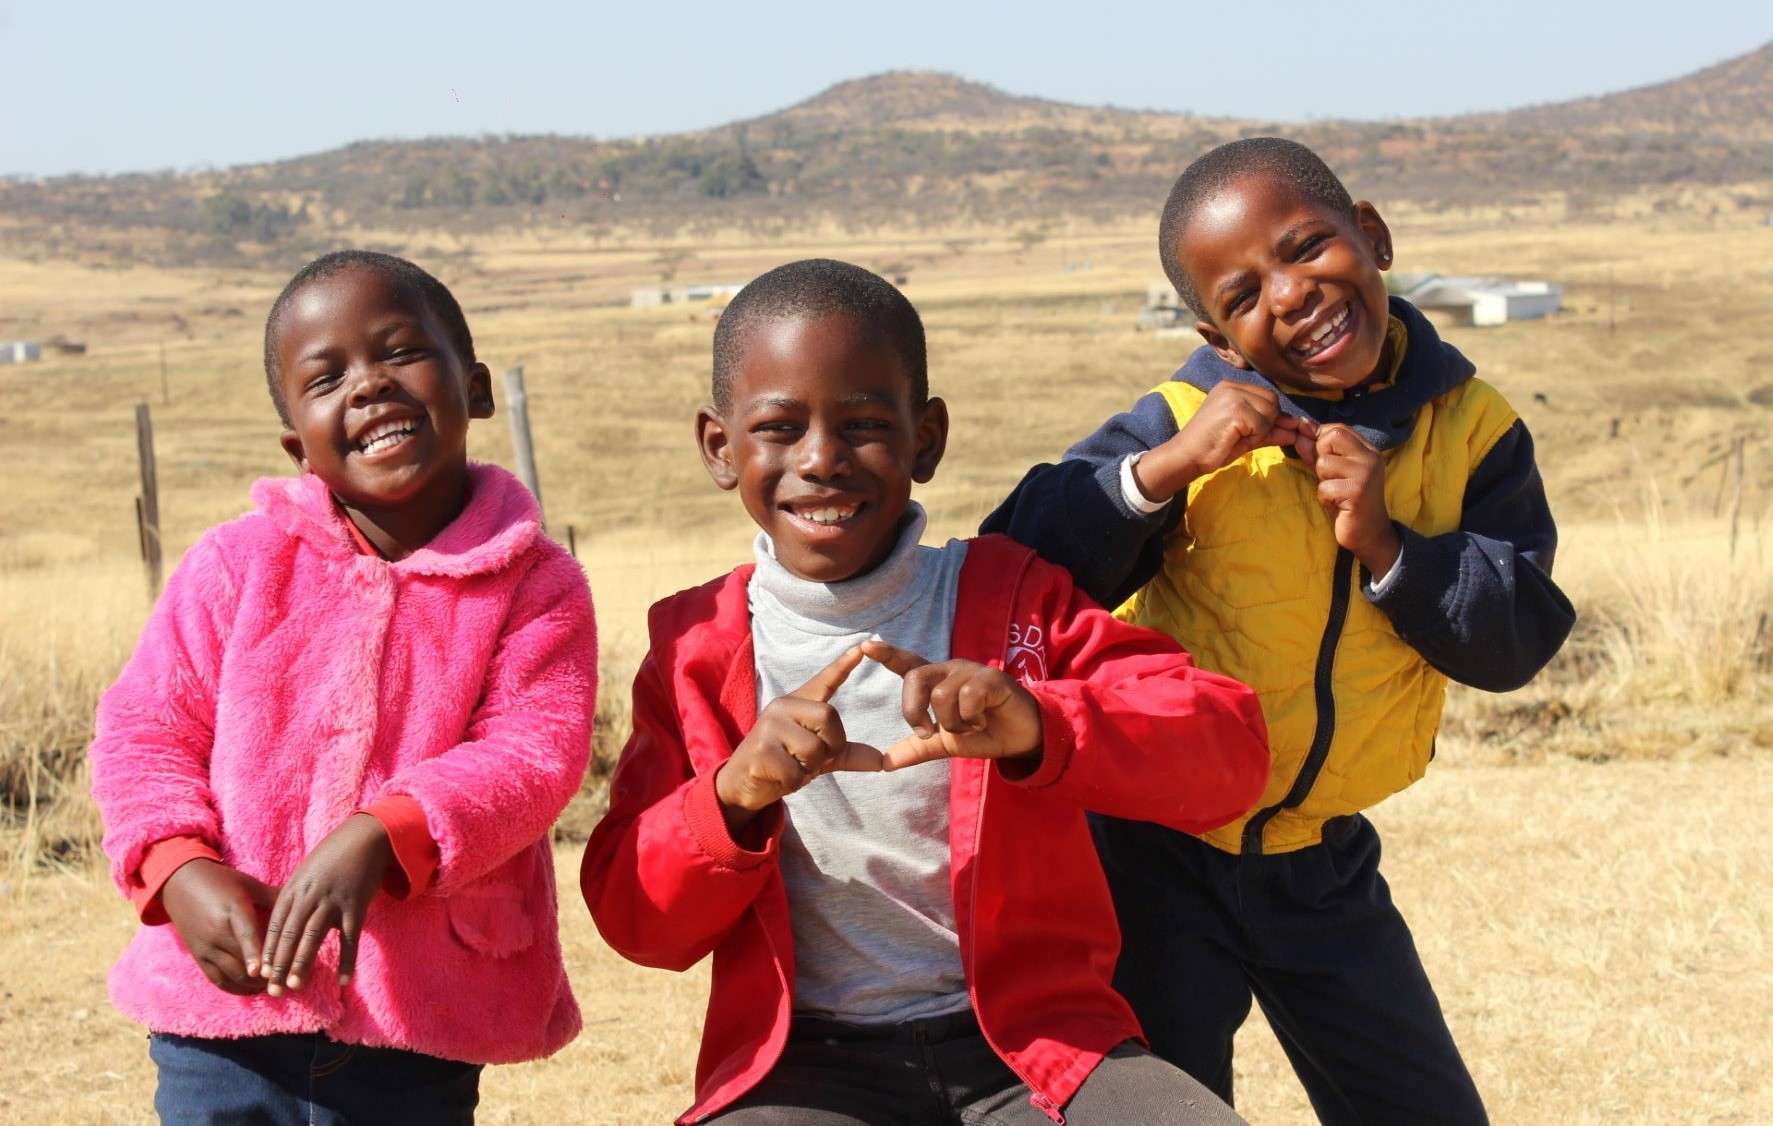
x,y
1132,728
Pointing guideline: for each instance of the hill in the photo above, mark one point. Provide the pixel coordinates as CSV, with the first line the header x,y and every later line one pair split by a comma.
x,y
902,147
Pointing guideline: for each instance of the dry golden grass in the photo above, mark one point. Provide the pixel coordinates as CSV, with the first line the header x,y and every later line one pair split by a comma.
x,y
1598,933
1598,936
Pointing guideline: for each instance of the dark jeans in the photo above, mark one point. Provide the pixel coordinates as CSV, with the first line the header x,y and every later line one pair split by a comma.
x,y
295,1080
941,1070
1314,936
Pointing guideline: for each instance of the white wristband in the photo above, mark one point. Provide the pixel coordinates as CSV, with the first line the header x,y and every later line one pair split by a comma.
x,y
1378,586
1130,491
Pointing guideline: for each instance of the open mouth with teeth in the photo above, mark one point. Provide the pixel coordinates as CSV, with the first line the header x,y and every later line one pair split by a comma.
x,y
823,516
1321,343
386,436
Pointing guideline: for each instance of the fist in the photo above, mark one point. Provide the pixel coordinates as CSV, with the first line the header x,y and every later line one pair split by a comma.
x,y
1235,419
1351,487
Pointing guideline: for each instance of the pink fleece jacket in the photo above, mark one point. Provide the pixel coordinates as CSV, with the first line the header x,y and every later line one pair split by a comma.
x,y
284,681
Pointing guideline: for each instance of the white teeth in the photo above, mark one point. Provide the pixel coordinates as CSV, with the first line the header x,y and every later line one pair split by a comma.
x,y
387,434
827,515
1315,342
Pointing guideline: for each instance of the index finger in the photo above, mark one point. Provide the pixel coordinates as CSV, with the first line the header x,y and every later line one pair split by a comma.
x,y
899,660
825,683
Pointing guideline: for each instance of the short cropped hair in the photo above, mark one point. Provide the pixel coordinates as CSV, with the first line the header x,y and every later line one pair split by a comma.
x,y
1291,161
398,272
818,287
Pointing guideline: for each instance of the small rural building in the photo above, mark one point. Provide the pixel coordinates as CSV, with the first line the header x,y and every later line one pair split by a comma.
x,y
1480,301
20,351
652,296
1162,310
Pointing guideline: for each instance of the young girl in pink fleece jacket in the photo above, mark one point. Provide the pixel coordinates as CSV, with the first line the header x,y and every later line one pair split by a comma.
x,y
358,708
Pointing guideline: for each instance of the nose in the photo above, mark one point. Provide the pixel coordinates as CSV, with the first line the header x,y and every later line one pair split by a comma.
x,y
823,454
370,382
1289,294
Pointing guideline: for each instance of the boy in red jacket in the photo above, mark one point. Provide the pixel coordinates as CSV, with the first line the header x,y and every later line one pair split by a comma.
x,y
920,933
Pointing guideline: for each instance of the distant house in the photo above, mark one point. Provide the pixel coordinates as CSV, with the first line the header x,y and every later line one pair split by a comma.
x,y
20,351
1163,311
652,296
1480,301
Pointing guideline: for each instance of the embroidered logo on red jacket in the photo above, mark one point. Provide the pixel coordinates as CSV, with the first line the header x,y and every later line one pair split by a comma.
x,y
1026,658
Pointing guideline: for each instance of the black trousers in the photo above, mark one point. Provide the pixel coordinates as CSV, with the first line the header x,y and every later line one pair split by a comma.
x,y
941,1071
1313,936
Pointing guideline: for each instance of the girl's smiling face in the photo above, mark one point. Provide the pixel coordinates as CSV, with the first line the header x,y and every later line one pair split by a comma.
x,y
823,442
1291,287
378,398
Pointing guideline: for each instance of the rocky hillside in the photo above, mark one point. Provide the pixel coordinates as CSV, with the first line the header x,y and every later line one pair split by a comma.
x,y
894,148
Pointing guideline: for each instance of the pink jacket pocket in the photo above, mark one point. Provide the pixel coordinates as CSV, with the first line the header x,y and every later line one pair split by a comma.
x,y
492,915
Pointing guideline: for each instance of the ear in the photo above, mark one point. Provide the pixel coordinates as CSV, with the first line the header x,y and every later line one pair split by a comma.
x,y
292,445
716,444
1221,344
932,441
480,396
1378,235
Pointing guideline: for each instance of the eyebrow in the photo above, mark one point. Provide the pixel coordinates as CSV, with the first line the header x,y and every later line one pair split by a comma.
x,y
381,332
1234,282
1293,233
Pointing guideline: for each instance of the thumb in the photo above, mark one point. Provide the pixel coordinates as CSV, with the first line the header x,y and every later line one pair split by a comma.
x,y
859,757
915,749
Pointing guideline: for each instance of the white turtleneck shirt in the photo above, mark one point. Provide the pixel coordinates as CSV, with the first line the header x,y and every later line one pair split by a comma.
x,y
865,856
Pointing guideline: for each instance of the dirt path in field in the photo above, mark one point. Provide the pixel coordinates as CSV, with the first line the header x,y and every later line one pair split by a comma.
x,y
1600,936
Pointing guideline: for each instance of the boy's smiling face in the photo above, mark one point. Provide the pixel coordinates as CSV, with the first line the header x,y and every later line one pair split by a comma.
x,y
378,398
1291,286
822,442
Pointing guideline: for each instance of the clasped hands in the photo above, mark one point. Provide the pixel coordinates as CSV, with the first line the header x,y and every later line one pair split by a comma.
x,y
956,709
1237,418
249,937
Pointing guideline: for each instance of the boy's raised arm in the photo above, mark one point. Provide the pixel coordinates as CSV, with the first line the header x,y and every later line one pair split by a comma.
x,y
1479,604
1133,728
662,875
1077,513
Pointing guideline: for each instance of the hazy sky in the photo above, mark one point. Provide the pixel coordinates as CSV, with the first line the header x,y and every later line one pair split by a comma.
x,y
124,86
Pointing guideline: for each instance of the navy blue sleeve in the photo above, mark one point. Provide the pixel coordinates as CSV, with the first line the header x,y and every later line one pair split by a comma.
x,y
1073,513
1479,603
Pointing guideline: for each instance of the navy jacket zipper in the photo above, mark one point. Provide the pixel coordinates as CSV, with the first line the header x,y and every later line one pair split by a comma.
x,y
1325,693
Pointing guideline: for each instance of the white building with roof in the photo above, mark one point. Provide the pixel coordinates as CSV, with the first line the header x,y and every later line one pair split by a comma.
x,y
1481,301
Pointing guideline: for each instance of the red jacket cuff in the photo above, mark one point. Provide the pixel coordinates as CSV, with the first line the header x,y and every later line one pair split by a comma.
x,y
416,855
159,862
701,809
1057,742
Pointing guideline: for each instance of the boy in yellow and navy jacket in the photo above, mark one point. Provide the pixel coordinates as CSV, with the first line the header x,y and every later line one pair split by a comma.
x,y
1325,504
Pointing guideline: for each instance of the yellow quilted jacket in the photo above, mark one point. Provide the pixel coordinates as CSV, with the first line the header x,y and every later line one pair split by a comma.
x,y
1255,586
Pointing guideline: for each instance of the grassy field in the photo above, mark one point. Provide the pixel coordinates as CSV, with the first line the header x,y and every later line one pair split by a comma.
x,y
1581,867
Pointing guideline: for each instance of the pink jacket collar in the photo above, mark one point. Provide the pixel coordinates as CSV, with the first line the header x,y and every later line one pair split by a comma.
x,y
498,524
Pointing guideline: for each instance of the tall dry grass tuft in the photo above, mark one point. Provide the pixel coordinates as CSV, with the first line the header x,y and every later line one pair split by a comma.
x,y
1672,655
67,628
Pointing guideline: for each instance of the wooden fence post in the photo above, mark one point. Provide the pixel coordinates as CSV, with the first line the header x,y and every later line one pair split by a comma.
x,y
517,402
148,503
